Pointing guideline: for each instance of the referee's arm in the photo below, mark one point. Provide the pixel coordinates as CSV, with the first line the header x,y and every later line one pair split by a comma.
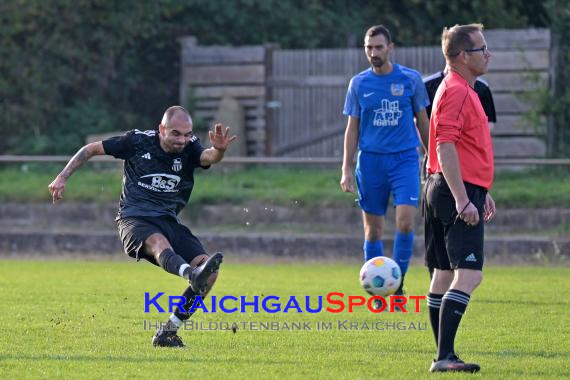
x,y
449,161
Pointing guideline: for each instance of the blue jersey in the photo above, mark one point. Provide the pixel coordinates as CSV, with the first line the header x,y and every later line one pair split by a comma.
x,y
385,105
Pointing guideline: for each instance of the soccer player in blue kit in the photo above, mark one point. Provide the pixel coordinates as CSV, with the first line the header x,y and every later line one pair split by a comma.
x,y
381,104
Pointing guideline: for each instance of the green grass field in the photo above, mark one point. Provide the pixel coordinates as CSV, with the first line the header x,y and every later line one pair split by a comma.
x,y
85,320
547,187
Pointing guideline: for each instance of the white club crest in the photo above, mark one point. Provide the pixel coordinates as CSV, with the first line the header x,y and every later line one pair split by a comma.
x,y
177,164
397,89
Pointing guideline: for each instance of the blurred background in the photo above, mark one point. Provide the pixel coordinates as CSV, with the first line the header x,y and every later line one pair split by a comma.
x,y
277,72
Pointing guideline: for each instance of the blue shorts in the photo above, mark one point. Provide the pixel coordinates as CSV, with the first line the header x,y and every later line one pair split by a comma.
x,y
378,175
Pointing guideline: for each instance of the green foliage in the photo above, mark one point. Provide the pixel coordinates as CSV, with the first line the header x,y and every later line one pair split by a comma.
x,y
553,102
74,68
30,183
558,106
419,22
284,186
538,188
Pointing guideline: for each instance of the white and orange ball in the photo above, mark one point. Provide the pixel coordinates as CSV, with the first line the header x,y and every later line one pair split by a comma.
x,y
380,276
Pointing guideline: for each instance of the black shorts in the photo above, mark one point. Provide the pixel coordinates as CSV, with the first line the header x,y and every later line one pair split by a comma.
x,y
450,242
135,230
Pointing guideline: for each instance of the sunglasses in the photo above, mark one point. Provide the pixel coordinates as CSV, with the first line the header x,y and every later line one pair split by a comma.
x,y
481,49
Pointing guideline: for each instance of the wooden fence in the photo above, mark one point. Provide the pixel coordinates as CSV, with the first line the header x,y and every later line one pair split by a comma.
x,y
293,99
209,73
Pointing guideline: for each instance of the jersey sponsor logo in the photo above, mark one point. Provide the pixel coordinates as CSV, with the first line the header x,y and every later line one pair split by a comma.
x,y
146,155
177,165
397,89
160,182
388,114
368,94
193,138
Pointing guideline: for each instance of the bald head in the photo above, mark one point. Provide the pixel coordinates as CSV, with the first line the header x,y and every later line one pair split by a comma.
x,y
175,129
175,112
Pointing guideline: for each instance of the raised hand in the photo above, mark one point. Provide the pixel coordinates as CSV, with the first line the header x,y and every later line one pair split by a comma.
x,y
221,140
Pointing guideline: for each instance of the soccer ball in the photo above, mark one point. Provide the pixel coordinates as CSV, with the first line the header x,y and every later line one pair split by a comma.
x,y
380,276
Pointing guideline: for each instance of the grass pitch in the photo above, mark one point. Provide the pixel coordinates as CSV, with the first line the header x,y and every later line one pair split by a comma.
x,y
85,320
535,188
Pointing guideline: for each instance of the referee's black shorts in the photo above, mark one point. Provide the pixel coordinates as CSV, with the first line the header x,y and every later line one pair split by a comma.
x,y
135,230
450,242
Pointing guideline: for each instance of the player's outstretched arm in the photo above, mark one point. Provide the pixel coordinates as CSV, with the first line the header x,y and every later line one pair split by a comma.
x,y
57,187
220,142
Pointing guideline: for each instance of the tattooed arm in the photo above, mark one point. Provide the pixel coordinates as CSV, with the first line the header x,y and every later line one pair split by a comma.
x,y
57,187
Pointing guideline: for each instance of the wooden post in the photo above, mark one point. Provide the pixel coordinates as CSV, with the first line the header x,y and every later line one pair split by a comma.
x,y
551,128
186,45
268,102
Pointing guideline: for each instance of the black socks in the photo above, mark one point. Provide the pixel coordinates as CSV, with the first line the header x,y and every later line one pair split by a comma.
x,y
172,263
434,305
190,296
453,305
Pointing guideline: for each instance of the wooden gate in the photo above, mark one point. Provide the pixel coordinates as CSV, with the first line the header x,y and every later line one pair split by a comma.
x,y
293,99
308,88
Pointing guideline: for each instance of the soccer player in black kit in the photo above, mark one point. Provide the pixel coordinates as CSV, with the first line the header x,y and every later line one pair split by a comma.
x,y
157,183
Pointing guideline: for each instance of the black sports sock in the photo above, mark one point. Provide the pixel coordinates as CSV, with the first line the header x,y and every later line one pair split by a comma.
x,y
434,305
172,263
453,305
184,314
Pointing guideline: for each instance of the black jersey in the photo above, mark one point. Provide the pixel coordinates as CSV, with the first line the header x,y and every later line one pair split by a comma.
x,y
155,182
481,88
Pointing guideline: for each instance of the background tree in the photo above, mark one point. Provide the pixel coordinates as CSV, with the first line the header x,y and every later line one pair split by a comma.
x,y
73,68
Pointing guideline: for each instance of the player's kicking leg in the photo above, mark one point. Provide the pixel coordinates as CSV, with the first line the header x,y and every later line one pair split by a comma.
x,y
161,252
174,248
200,275
200,271
205,273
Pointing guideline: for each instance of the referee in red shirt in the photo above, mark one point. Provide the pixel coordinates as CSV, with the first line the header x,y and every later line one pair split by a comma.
x,y
457,201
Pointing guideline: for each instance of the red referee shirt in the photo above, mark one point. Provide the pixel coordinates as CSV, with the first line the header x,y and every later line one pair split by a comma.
x,y
458,117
